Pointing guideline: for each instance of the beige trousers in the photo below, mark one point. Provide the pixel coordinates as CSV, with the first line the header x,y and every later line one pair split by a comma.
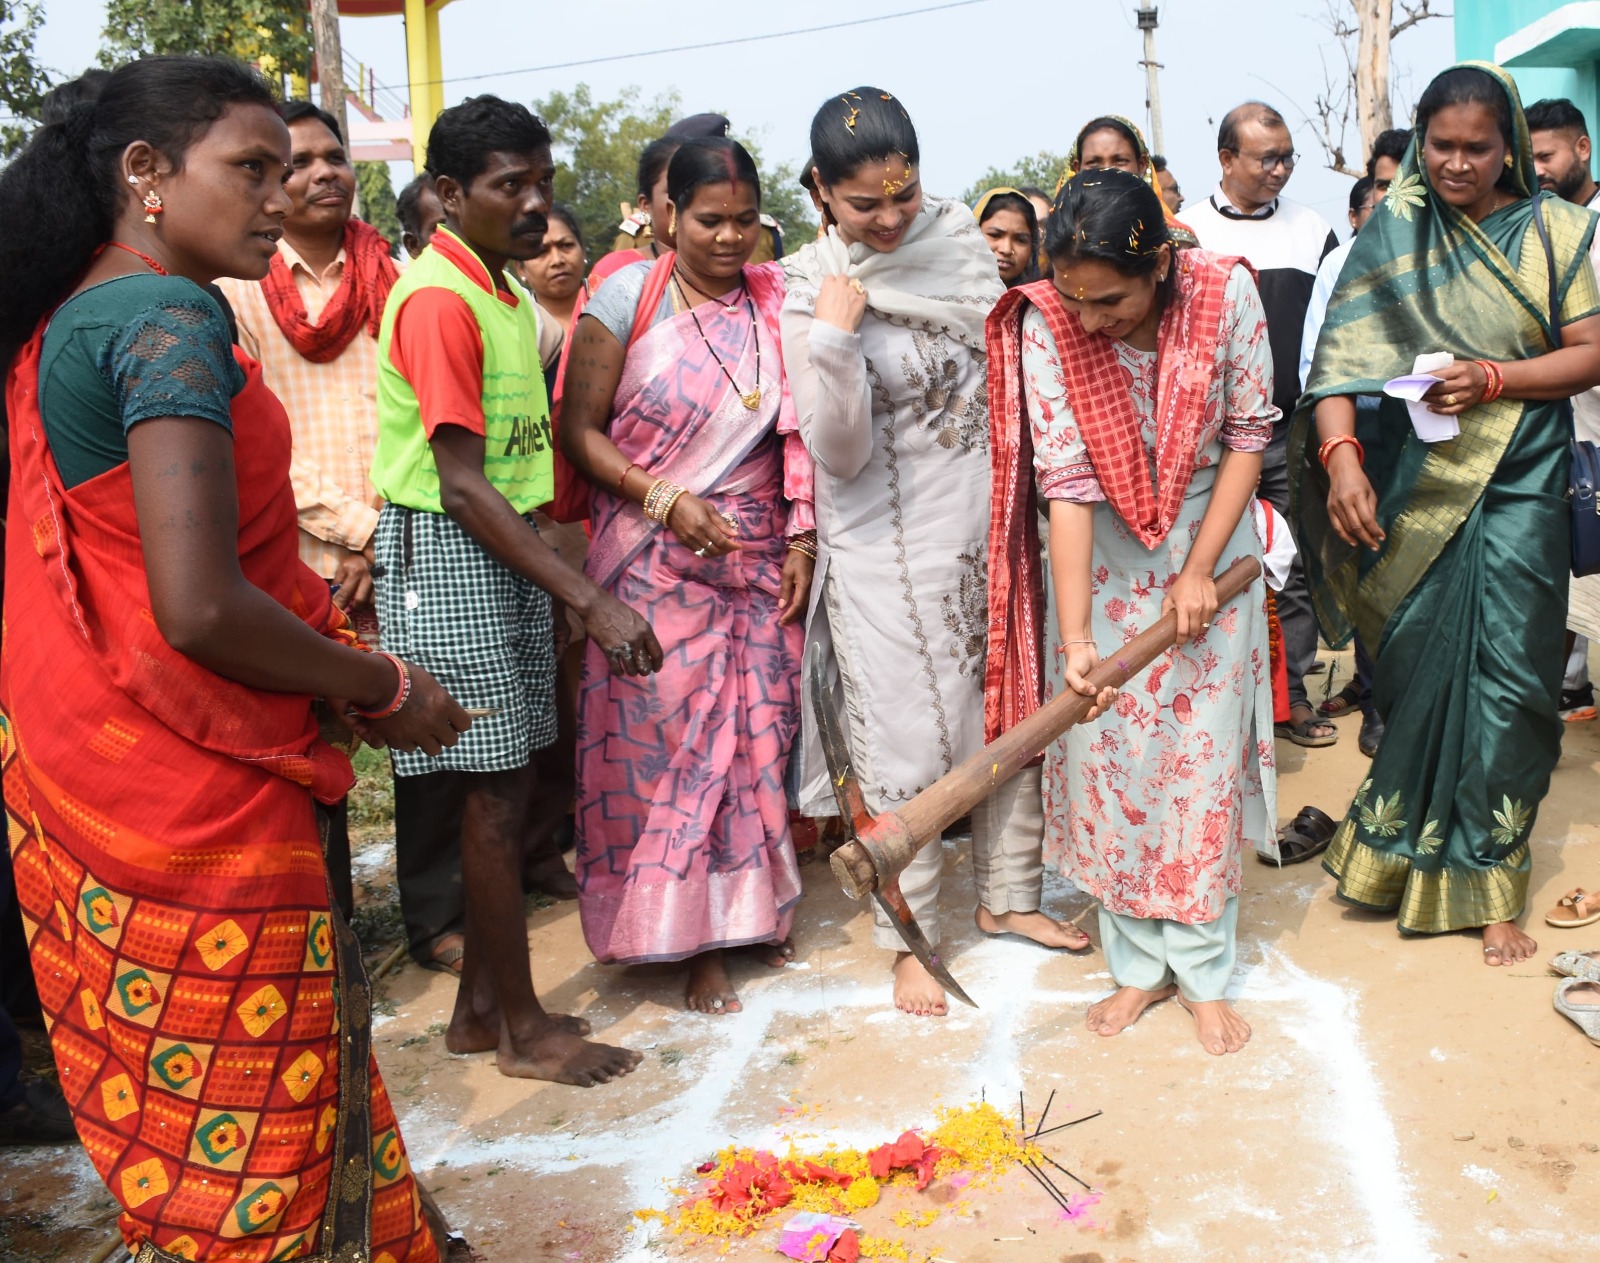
x,y
1007,866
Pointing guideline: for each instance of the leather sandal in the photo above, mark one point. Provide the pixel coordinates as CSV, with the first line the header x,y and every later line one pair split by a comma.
x,y
1576,909
449,954
1341,703
1300,732
1304,837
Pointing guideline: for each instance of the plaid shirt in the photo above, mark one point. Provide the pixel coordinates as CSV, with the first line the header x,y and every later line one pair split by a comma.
x,y
333,414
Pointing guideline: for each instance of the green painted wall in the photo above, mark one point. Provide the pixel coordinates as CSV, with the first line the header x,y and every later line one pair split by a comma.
x,y
1481,24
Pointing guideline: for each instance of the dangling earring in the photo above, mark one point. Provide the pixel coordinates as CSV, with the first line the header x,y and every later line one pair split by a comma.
x,y
672,222
152,206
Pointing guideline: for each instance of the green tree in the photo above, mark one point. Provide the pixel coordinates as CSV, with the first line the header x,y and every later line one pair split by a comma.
x,y
272,34
597,146
23,81
375,192
1041,171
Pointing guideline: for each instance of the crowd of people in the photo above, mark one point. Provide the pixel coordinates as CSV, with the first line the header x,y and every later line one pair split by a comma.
x,y
559,537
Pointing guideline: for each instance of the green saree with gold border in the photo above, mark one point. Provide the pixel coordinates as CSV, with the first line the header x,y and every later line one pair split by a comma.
x,y
1465,602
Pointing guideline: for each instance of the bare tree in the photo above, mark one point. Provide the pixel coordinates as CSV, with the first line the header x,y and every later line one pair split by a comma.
x,y
1363,31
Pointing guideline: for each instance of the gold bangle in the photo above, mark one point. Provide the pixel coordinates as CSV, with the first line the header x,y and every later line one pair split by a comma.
x,y
668,500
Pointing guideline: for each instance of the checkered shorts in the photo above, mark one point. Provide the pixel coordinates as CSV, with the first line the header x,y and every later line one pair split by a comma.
x,y
482,631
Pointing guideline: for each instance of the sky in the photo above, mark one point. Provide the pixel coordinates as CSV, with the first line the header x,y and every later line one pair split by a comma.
x,y
986,81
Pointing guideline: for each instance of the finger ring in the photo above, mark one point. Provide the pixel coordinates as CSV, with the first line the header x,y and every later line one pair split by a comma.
x,y
858,286
1205,626
701,551
1449,401
716,1002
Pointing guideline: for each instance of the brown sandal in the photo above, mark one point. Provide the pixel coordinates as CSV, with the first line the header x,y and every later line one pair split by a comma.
x,y
1576,909
449,954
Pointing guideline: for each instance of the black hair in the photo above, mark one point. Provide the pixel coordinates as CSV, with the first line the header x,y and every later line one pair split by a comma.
x,y
1556,114
862,125
1467,85
464,136
407,206
709,160
1018,202
1033,190
1360,191
653,161
71,168
1108,216
563,212
808,180
1158,161
1107,124
1391,143
57,103
1249,111
294,111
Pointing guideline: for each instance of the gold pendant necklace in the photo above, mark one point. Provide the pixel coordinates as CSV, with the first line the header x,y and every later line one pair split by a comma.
x,y
751,398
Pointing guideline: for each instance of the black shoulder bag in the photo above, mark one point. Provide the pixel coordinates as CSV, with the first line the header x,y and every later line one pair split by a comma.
x,y
1584,479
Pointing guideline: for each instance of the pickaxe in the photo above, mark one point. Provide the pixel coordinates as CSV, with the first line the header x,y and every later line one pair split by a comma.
x,y
881,846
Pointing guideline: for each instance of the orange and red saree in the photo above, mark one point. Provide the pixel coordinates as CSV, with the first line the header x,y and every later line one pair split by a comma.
x,y
207,1009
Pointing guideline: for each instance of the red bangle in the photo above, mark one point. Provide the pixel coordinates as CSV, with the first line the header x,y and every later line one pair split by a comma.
x,y
401,694
1326,450
624,478
1494,380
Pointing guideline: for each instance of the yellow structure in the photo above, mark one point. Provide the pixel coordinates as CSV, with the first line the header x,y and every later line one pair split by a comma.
x,y
424,67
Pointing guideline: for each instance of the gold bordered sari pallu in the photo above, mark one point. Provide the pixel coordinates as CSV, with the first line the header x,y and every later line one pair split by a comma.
x,y
1466,600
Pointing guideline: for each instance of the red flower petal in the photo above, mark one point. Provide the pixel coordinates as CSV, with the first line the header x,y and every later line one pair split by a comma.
x,y
847,1249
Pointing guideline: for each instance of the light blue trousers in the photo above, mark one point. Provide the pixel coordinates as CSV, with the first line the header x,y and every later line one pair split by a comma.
x,y
1149,954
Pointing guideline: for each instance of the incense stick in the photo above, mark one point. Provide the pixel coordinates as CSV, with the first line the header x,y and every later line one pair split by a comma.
x,y
1064,1126
1044,1182
1044,1115
1062,1169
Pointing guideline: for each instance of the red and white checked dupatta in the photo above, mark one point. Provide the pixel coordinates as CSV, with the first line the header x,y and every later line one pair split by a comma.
x,y
1189,346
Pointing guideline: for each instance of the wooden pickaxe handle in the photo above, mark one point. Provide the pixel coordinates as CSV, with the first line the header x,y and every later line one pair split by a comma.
x,y
883,847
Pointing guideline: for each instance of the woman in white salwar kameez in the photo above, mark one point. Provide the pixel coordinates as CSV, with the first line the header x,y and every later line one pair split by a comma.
x,y
883,346
1135,387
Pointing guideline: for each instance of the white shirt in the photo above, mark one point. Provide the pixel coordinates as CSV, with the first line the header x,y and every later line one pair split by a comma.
x,y
1586,407
1321,292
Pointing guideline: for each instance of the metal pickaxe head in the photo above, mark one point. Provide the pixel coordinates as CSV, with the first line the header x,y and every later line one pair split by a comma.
x,y
860,823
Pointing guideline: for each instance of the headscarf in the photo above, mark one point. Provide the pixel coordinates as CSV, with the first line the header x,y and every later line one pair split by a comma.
x,y
1423,277
1182,235
940,277
1034,268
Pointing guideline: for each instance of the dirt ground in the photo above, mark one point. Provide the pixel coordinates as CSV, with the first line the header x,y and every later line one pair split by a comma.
x,y
1399,1101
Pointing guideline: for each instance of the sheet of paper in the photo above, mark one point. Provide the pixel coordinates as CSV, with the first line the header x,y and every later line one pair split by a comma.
x,y
1429,425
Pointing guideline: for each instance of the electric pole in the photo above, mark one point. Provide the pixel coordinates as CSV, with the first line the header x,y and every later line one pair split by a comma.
x,y
1152,91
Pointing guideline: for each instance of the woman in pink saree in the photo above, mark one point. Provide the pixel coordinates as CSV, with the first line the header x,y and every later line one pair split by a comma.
x,y
677,413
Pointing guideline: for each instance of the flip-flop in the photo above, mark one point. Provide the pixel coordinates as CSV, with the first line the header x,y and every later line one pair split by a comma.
x,y
1576,965
1303,838
1576,909
1586,1017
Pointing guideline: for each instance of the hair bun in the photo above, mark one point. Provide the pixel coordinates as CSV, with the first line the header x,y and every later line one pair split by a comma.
x,y
78,125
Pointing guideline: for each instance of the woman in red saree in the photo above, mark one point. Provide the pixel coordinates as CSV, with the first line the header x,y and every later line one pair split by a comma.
x,y
206,1006
677,412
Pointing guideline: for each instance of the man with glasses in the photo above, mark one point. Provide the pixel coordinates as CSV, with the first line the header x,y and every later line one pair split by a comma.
x,y
1285,243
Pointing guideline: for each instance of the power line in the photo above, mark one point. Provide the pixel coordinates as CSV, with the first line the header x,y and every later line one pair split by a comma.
x,y
720,43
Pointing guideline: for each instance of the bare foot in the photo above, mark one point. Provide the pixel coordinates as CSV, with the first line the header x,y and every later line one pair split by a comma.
x,y
1219,1026
1504,944
709,989
470,1032
559,1056
775,955
915,990
1121,1010
550,875
1035,925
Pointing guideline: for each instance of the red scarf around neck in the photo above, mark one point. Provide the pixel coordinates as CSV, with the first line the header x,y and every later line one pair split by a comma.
x,y
369,275
1190,343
